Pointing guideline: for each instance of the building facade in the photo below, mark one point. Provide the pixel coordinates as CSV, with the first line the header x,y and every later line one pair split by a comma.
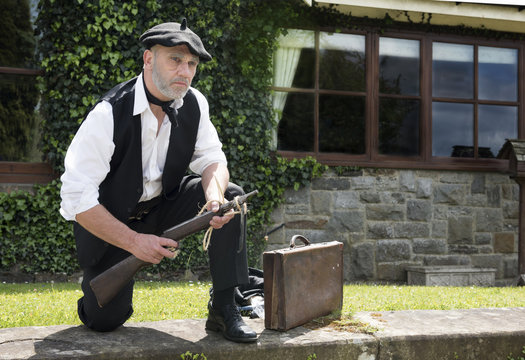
x,y
419,103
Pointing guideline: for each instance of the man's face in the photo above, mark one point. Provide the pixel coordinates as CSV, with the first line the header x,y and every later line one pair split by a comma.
x,y
173,69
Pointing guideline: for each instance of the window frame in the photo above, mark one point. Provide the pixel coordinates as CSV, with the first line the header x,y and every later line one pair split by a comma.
x,y
425,160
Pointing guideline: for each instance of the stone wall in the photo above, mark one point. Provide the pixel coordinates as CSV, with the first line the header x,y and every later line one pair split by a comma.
x,y
391,219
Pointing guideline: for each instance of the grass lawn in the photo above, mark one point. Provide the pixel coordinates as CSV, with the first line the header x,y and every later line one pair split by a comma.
x,y
53,304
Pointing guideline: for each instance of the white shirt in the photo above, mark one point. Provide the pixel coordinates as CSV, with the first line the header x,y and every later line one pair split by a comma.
x,y
88,157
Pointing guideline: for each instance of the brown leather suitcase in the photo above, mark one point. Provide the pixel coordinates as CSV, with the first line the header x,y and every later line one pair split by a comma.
x,y
302,283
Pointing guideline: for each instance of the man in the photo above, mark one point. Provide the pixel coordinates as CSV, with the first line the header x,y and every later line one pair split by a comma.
x,y
124,181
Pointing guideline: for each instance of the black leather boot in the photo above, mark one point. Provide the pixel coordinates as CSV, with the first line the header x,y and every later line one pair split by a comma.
x,y
229,322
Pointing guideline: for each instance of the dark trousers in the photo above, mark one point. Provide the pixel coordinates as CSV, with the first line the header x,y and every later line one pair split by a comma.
x,y
228,265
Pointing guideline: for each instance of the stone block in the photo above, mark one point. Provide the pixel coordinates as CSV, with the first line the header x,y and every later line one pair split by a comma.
x,y
321,202
419,210
504,243
362,261
438,260
510,267
411,230
489,261
385,212
494,196
362,183
387,182
485,249
393,250
347,221
483,238
450,276
319,223
429,246
277,236
478,184
476,200
407,181
440,212
460,230
347,172
466,249
439,229
380,230
455,177
424,188
277,215
331,183
397,198
315,236
488,220
449,194
370,197
511,210
300,196
456,211
393,272
347,200
510,192
354,238
381,172
297,209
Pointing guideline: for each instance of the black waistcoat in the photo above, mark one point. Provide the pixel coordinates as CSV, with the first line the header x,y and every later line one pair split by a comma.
x,y
123,186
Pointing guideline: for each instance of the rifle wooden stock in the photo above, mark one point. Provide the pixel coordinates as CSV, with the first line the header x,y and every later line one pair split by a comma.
x,y
107,284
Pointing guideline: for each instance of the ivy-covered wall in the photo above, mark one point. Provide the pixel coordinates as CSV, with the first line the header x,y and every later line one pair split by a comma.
x,y
88,46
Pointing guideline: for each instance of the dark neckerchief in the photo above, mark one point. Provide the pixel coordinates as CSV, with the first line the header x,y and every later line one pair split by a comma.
x,y
165,105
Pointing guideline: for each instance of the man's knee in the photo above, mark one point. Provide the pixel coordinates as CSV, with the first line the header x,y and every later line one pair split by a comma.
x,y
109,317
103,319
234,190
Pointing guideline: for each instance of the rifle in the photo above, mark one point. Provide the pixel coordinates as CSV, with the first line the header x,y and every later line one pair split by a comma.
x,y
107,284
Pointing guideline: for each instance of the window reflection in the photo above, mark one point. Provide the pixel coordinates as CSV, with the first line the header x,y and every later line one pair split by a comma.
x,y
498,74
452,70
342,124
398,66
19,96
495,125
19,118
296,128
294,66
342,62
294,60
399,127
452,129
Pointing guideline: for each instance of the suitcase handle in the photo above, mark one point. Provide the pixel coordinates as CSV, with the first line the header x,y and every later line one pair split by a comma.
x,y
300,237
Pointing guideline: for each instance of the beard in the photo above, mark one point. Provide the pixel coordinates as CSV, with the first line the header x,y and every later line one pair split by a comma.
x,y
163,85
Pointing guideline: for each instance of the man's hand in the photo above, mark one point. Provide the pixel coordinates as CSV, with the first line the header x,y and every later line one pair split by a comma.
x,y
152,248
102,224
218,222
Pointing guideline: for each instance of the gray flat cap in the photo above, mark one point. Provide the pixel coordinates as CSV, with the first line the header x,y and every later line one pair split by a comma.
x,y
173,34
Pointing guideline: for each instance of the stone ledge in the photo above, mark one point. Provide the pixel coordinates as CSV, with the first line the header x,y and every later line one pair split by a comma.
x,y
408,335
450,276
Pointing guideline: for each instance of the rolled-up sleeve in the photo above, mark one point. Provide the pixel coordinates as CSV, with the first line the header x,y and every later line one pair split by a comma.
x,y
87,162
208,147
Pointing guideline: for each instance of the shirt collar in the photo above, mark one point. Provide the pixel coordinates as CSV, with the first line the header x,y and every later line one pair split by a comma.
x,y
141,102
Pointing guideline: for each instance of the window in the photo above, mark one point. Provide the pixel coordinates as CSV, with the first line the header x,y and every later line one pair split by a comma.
x,y
19,96
399,97
396,100
459,107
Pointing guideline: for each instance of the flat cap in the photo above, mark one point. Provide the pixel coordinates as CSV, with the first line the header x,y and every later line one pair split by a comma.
x,y
173,34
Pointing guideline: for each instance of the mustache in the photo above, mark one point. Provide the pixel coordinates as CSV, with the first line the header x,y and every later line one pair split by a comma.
x,y
185,81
